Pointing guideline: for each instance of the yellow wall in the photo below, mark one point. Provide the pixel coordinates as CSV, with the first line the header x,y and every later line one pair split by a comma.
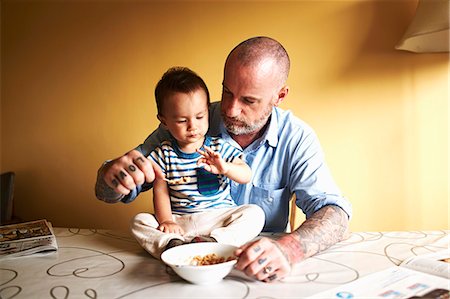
x,y
77,81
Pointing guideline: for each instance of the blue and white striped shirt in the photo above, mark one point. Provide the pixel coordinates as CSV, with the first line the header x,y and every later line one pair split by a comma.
x,y
203,190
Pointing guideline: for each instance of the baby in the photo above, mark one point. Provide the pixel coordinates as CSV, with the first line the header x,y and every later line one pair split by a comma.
x,y
193,203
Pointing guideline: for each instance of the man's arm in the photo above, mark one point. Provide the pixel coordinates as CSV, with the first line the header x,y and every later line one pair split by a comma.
x,y
270,260
324,228
317,195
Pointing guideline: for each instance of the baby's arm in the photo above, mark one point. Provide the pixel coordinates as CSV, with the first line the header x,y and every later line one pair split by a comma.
x,y
237,170
163,211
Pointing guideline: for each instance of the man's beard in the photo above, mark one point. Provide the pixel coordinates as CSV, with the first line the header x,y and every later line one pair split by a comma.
x,y
238,126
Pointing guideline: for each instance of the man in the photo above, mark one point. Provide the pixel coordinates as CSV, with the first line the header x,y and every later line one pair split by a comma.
x,y
283,152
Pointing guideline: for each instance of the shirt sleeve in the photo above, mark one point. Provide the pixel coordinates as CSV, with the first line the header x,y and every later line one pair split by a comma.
x,y
157,155
311,179
229,152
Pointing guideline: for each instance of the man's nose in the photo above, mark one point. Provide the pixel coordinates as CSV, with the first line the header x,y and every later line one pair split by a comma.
x,y
232,108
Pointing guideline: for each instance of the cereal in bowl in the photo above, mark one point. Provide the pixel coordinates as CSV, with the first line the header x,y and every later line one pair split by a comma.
x,y
210,259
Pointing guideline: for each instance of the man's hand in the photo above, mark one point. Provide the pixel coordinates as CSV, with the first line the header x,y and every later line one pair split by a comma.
x,y
124,173
263,259
270,260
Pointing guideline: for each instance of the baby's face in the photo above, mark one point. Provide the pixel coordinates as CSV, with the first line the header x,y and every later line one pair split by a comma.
x,y
186,117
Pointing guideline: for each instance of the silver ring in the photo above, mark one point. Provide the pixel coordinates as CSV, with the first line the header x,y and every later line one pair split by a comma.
x,y
267,270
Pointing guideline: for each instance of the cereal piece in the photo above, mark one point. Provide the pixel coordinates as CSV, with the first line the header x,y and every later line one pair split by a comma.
x,y
179,181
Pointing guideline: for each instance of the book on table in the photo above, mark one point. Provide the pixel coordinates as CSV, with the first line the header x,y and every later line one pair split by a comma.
x,y
423,276
27,238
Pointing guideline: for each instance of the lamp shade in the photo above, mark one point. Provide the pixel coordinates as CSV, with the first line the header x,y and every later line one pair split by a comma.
x,y
429,30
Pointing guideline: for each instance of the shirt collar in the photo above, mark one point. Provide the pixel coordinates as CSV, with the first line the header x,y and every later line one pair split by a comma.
x,y
271,134
184,155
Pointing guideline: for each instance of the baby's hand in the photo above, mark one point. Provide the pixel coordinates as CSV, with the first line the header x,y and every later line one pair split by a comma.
x,y
170,227
212,161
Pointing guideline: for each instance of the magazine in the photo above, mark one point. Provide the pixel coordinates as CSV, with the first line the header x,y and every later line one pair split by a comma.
x,y
424,276
27,238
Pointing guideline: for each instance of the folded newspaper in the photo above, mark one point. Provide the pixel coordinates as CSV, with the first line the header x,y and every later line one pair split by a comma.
x,y
425,276
27,238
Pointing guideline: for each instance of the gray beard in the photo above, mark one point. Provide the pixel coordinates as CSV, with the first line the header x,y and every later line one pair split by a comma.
x,y
244,128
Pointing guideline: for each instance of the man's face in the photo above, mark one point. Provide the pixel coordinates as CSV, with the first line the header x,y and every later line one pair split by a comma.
x,y
248,96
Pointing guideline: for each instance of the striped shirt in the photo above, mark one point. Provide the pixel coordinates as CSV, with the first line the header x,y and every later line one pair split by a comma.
x,y
203,190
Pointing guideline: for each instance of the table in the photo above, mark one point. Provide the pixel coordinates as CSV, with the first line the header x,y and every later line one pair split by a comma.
x,y
93,263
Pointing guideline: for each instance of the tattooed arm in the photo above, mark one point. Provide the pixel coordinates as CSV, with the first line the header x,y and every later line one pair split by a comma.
x,y
324,228
270,260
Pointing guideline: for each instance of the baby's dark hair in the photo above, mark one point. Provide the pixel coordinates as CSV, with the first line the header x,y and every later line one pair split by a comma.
x,y
178,79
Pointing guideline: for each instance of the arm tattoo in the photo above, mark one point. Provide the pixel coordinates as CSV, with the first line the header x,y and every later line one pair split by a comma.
x,y
323,229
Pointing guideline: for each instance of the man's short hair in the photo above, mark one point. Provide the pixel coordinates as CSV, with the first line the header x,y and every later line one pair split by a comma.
x,y
257,48
178,79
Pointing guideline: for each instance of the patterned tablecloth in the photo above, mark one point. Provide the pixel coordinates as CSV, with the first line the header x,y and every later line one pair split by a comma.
x,y
109,264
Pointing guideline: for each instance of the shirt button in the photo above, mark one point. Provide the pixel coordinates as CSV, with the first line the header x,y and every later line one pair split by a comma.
x,y
270,199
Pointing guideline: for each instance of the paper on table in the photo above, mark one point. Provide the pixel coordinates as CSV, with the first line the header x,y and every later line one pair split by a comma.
x,y
26,238
436,263
394,282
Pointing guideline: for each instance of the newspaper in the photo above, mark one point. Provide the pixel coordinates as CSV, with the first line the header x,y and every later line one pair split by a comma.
x,y
424,276
27,238
436,263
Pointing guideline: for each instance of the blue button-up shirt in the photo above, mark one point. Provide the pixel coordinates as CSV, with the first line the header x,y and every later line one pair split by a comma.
x,y
287,159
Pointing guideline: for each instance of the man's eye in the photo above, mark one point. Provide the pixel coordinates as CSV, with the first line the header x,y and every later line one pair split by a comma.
x,y
249,101
226,92
181,121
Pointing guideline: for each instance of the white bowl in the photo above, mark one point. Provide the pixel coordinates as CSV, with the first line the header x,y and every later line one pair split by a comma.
x,y
180,257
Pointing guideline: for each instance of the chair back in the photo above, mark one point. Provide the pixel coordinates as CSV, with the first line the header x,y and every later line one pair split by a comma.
x,y
7,193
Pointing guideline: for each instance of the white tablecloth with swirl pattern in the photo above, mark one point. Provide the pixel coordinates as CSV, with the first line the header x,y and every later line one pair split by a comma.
x,y
110,264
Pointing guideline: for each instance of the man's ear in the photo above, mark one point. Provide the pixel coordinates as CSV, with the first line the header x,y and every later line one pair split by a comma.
x,y
162,120
282,94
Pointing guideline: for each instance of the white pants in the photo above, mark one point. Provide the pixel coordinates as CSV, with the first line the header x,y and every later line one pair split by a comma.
x,y
234,226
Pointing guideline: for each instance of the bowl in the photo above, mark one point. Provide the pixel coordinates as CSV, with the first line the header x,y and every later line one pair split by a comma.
x,y
180,258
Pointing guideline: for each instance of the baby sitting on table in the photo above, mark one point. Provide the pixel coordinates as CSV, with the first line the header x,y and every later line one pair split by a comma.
x,y
193,202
